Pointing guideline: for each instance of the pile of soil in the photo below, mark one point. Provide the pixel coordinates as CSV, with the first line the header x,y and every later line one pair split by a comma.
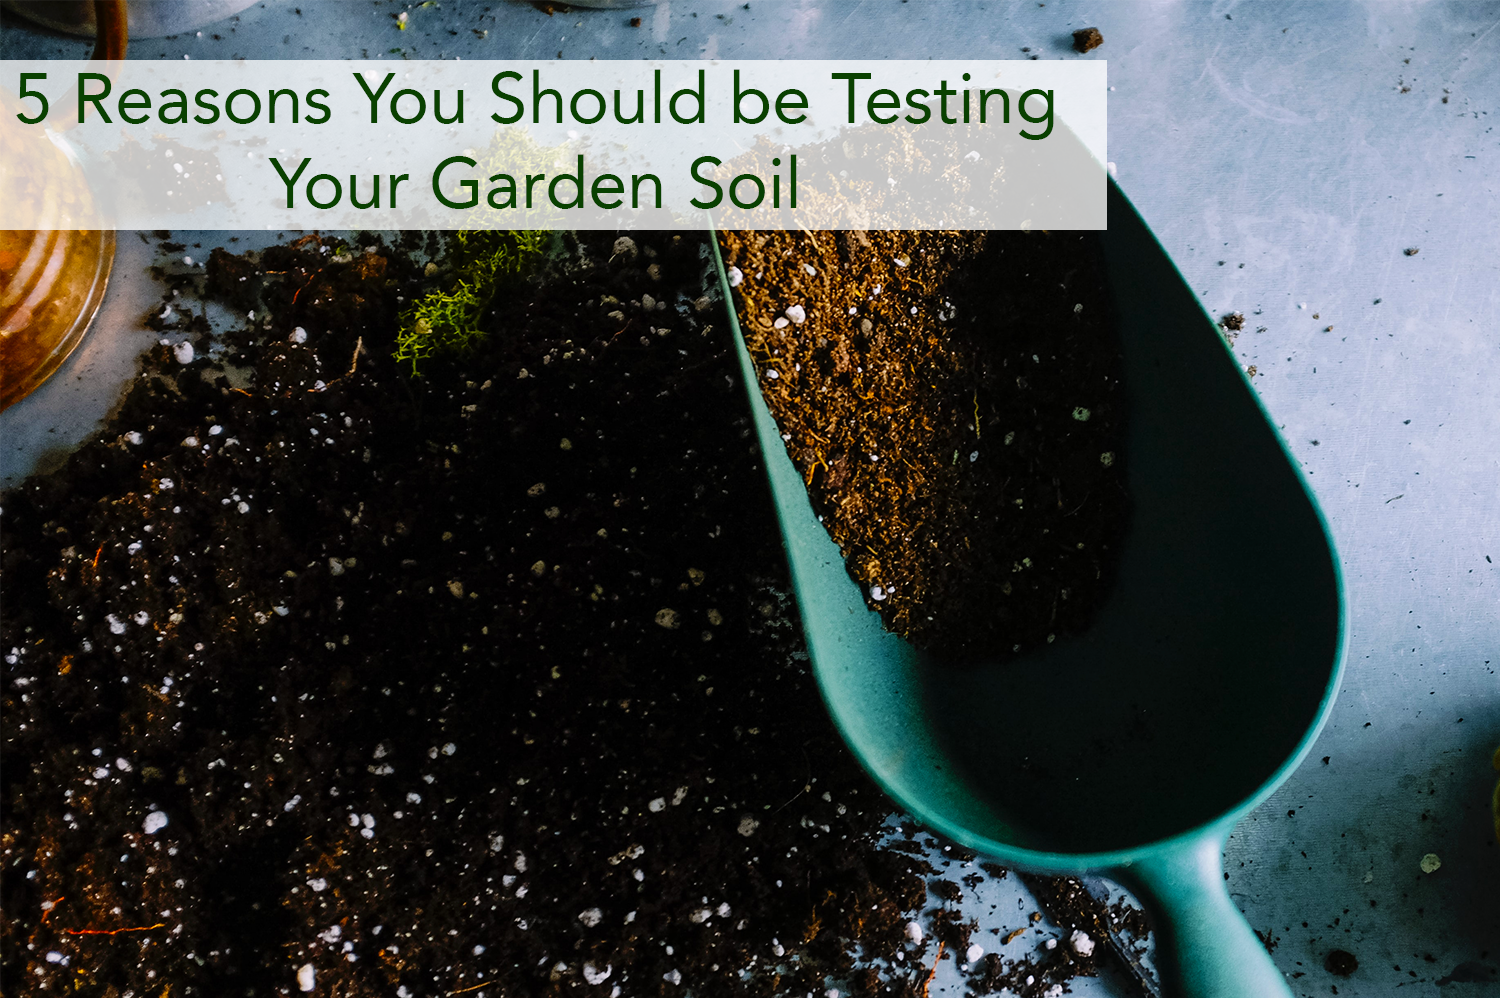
x,y
954,403
321,677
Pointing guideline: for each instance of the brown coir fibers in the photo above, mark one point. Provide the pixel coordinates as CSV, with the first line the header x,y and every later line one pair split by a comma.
x,y
953,401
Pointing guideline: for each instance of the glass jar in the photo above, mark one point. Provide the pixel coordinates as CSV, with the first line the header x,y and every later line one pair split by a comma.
x,y
53,276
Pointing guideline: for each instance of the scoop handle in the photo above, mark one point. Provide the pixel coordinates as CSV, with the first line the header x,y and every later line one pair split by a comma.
x,y
1204,946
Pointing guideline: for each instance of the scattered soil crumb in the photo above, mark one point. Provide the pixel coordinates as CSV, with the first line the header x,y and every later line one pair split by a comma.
x,y
1340,963
1087,39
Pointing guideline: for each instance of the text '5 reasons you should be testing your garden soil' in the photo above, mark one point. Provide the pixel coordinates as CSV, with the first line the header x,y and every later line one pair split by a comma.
x,y
278,143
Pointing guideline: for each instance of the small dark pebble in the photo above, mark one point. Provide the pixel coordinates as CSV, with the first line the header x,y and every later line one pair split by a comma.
x,y
1411,251
947,890
1087,39
1233,320
1340,963
635,22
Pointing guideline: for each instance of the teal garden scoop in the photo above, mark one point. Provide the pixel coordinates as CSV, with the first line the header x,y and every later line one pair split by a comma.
x,y
1132,750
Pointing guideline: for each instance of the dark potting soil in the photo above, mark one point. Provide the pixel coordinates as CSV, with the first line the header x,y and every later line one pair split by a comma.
x,y
953,401
481,682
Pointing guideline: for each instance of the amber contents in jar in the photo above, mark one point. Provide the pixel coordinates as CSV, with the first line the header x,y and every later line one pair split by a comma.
x,y
51,283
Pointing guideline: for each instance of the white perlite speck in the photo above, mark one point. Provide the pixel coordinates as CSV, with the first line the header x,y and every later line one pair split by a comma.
x,y
747,826
1430,863
595,975
877,593
318,884
736,276
590,916
183,352
299,335
1081,943
659,804
914,932
974,953
307,977
155,822
797,314
672,977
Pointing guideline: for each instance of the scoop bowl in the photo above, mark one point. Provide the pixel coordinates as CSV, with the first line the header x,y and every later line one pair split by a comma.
x,y
1133,749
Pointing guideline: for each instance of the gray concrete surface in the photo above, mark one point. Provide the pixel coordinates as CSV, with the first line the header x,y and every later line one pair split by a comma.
x,y
1286,156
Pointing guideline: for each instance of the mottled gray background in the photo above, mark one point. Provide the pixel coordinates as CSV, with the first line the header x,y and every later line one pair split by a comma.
x,y
1286,156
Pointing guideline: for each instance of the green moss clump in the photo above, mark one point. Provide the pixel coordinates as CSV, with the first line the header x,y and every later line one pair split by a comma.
x,y
483,261
447,320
